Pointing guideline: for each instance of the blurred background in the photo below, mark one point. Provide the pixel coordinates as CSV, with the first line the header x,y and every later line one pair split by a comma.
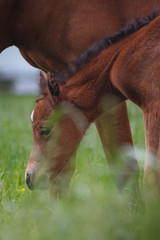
x,y
16,75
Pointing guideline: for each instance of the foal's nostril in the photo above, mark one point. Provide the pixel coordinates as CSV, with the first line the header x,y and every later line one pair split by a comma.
x,y
28,180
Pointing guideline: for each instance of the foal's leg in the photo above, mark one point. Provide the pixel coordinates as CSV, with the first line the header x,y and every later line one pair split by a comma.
x,y
114,131
151,114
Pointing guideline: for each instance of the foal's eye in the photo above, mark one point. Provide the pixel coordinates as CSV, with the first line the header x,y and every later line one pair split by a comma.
x,y
45,131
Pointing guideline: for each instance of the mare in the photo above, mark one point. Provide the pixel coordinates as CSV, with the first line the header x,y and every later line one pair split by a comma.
x,y
51,33
120,67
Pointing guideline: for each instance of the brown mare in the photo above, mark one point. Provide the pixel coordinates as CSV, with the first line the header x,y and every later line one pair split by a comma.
x,y
51,33
123,66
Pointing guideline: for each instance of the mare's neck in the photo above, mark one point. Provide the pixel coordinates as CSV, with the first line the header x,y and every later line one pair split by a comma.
x,y
7,23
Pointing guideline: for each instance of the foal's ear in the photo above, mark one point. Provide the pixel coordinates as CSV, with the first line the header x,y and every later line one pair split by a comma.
x,y
43,84
53,85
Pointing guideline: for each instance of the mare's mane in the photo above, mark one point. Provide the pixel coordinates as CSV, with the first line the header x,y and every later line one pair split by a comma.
x,y
99,46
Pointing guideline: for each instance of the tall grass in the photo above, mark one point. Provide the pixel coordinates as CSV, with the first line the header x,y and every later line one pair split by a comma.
x,y
92,209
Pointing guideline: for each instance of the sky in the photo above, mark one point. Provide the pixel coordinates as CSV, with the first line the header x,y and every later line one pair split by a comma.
x,y
13,65
12,61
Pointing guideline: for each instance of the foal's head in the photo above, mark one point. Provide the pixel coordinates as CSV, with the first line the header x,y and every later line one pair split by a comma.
x,y
58,127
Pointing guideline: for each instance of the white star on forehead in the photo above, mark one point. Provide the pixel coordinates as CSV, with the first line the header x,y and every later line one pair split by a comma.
x,y
32,114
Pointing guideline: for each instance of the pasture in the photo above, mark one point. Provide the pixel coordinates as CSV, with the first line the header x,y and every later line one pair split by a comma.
x,y
93,209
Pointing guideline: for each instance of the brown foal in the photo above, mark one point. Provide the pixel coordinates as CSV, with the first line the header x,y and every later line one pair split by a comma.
x,y
123,66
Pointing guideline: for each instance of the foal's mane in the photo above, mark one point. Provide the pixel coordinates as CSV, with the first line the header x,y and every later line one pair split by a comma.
x,y
99,46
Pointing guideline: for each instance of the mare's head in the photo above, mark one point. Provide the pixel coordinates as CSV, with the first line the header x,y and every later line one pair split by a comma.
x,y
58,127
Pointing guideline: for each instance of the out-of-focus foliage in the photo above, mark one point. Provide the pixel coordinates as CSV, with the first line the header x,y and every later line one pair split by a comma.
x,y
93,209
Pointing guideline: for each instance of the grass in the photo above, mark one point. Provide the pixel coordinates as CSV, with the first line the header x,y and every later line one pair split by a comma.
x,y
93,209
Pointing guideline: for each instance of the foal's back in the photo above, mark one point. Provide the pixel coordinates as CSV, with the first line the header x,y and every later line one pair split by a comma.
x,y
136,72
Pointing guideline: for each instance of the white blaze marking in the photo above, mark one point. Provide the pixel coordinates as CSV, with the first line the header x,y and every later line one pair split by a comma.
x,y
32,114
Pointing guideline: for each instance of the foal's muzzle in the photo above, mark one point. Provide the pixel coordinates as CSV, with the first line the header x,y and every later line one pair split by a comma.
x,y
36,182
28,179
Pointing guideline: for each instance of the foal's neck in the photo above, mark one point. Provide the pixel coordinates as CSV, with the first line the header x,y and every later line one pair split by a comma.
x,y
91,88
92,82
7,22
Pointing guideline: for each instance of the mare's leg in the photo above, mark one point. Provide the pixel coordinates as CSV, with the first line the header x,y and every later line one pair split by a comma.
x,y
151,114
114,131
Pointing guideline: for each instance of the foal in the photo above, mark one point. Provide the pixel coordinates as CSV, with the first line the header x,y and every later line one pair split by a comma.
x,y
127,69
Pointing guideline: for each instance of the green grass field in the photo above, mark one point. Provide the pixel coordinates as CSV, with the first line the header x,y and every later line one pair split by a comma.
x,y
93,209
